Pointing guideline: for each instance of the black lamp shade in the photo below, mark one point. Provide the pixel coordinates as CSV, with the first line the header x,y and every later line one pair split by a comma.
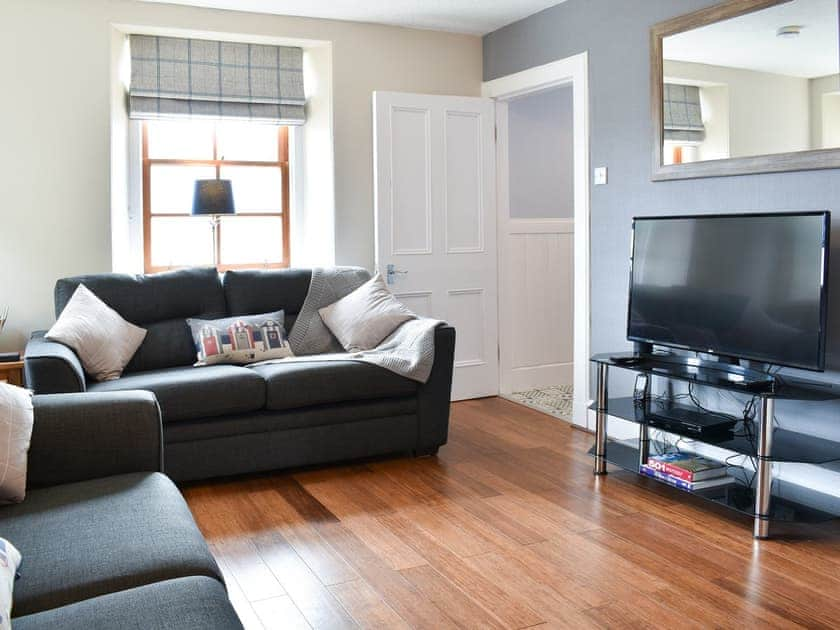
x,y
213,196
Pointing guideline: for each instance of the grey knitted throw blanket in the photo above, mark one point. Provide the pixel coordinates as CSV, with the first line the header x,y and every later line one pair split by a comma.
x,y
409,351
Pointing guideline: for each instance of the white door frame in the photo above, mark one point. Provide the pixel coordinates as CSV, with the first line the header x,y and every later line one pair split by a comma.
x,y
574,70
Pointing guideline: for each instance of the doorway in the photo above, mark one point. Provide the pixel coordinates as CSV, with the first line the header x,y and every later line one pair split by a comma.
x,y
543,217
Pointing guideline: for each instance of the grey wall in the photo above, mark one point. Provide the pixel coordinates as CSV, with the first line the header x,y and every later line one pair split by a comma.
x,y
540,133
615,33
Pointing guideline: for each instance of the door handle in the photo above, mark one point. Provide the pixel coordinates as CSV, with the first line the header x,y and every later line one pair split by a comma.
x,y
391,271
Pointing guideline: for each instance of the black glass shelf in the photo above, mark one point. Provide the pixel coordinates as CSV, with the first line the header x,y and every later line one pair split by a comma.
x,y
788,446
721,376
737,496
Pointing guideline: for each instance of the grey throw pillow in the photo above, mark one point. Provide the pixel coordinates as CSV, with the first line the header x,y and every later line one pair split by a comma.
x,y
363,318
310,335
104,341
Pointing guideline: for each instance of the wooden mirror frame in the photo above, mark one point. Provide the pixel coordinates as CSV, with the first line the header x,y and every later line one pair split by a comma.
x,y
773,163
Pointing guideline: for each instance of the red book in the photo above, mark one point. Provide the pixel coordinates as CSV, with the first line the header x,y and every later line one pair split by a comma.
x,y
668,469
687,466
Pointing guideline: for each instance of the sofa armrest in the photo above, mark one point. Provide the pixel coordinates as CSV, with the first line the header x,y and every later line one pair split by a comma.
x,y
52,368
86,436
434,395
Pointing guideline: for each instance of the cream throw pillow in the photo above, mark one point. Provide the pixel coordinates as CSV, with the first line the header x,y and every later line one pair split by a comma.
x,y
15,432
363,318
9,564
104,341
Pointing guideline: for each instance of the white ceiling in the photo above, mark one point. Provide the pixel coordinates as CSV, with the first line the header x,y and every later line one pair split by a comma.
x,y
476,17
750,41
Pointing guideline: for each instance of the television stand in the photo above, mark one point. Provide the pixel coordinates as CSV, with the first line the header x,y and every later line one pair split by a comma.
x,y
760,440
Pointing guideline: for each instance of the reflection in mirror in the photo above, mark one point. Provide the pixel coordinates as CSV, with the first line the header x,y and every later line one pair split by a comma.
x,y
758,84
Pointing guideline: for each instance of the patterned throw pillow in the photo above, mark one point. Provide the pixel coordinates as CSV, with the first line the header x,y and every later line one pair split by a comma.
x,y
240,340
9,564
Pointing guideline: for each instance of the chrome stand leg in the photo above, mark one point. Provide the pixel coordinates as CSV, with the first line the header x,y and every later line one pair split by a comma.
x,y
765,470
601,421
644,429
644,444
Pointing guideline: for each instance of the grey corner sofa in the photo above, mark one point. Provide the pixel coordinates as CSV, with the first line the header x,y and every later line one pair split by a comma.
x,y
107,540
223,419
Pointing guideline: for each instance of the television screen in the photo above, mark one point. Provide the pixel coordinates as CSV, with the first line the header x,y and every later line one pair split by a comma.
x,y
750,286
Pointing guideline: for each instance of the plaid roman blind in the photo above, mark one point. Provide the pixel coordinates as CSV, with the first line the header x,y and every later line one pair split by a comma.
x,y
683,117
173,77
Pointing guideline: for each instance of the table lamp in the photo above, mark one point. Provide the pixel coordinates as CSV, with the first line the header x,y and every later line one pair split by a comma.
x,y
213,198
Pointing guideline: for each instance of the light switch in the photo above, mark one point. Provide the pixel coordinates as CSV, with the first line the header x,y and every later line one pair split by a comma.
x,y
601,176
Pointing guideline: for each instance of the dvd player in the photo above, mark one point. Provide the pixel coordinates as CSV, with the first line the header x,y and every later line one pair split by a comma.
x,y
688,420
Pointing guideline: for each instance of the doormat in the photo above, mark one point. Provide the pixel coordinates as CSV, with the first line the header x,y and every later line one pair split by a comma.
x,y
555,400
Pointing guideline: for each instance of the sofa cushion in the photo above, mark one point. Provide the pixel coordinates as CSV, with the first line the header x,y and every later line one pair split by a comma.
x,y
9,564
305,383
363,318
262,291
160,303
269,421
104,341
189,603
16,419
241,339
86,539
185,393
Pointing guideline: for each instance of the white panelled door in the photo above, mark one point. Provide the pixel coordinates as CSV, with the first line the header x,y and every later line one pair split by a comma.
x,y
435,199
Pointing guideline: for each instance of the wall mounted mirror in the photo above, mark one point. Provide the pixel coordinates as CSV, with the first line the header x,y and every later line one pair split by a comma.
x,y
746,86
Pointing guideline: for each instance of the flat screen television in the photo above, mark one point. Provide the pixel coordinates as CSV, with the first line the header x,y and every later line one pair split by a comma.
x,y
744,286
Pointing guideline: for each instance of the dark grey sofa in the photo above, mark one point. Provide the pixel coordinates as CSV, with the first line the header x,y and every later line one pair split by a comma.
x,y
224,419
107,540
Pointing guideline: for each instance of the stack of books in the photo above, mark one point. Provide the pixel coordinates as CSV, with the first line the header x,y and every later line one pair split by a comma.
x,y
687,471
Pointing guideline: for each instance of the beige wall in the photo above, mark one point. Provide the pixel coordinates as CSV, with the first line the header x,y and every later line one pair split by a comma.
x,y
768,113
714,100
824,107
55,136
830,120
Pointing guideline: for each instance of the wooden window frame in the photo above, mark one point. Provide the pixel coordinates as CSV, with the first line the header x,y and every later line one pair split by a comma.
x,y
282,163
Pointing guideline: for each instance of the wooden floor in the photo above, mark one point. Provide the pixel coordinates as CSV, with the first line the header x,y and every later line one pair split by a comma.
x,y
506,528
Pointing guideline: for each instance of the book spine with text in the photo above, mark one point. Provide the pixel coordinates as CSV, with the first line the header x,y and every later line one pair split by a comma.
x,y
674,481
670,469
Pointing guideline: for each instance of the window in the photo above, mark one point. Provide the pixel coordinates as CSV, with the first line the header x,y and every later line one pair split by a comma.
x,y
255,157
